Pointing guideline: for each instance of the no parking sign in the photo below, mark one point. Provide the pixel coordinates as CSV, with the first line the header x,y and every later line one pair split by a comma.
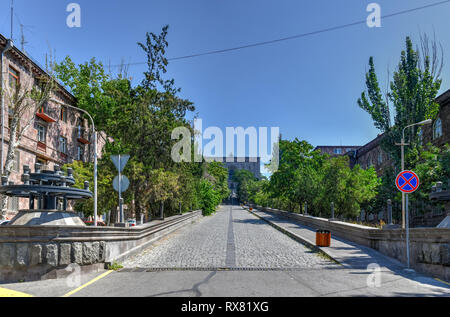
x,y
407,182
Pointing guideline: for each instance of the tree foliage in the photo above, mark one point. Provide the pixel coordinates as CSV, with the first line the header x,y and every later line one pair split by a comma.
x,y
139,120
309,178
410,98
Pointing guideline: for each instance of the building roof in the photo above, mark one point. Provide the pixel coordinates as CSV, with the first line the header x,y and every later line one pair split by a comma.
x,y
336,146
444,98
36,67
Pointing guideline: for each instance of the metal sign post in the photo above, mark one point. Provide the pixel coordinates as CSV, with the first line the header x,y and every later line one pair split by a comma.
x,y
121,183
407,182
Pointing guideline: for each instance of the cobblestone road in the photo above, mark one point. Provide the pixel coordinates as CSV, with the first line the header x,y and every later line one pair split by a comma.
x,y
232,238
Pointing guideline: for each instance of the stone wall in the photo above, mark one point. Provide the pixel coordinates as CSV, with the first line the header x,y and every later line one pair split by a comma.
x,y
29,253
429,247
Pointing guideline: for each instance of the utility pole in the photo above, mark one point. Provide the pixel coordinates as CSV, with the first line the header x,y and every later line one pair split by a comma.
x,y
12,18
403,144
22,39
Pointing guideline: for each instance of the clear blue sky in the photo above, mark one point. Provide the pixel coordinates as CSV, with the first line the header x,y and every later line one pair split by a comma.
x,y
308,87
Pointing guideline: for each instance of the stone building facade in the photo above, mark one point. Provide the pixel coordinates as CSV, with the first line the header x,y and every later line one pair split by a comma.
x,y
233,164
336,150
371,155
437,133
58,134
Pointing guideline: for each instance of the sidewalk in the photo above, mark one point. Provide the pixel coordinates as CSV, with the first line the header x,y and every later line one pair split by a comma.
x,y
350,255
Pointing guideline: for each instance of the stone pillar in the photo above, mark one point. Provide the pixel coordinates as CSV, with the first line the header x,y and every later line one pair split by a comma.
x,y
389,211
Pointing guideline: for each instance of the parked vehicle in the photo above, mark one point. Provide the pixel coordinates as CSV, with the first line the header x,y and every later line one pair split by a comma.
x,y
4,222
132,222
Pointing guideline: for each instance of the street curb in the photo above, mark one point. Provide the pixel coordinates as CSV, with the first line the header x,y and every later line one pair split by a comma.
x,y
298,238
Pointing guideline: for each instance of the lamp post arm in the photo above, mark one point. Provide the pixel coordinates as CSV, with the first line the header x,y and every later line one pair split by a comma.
x,y
95,154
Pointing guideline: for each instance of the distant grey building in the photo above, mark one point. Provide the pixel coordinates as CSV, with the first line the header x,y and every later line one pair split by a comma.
x,y
233,164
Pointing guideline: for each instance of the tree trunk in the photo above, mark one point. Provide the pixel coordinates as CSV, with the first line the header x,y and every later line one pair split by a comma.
x,y
10,157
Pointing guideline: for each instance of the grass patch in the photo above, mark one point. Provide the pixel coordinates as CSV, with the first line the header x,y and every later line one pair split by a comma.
x,y
115,266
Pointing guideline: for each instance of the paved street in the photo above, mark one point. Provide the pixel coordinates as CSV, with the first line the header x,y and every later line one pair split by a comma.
x,y
235,254
228,240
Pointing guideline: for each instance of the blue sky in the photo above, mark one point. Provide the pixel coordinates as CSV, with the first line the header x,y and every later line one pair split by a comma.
x,y
308,87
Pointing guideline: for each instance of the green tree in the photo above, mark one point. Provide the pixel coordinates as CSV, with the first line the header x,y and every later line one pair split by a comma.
x,y
138,121
107,197
411,96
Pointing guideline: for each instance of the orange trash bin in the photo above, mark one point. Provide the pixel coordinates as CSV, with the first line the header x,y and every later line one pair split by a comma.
x,y
323,238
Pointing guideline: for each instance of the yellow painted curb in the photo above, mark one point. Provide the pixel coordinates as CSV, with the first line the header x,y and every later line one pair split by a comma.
x,y
87,284
442,281
10,293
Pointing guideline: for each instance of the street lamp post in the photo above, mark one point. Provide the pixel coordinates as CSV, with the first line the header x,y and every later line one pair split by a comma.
x,y
95,155
403,144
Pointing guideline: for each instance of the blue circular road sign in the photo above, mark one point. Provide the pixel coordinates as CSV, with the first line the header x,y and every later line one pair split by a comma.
x,y
407,182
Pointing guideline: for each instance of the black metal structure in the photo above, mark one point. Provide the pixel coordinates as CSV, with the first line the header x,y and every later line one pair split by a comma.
x,y
47,188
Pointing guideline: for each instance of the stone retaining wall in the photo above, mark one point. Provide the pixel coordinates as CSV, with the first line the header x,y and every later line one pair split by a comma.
x,y
29,253
429,247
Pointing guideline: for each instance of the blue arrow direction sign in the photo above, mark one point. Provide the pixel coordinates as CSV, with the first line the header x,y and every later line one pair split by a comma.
x,y
120,161
124,184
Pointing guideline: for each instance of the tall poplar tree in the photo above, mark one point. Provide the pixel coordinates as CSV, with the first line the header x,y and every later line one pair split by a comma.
x,y
410,97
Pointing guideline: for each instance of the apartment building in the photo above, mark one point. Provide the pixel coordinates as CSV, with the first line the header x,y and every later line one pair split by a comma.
x,y
58,134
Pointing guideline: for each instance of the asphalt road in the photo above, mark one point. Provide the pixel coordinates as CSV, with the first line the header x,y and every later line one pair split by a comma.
x,y
234,254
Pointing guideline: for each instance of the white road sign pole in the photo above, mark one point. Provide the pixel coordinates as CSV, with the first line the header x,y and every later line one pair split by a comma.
x,y
120,193
120,161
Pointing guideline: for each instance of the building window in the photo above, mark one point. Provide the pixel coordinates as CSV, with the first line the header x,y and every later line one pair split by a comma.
x,y
43,108
338,151
42,133
380,158
437,129
16,163
14,78
63,114
348,150
80,153
62,145
80,129
44,163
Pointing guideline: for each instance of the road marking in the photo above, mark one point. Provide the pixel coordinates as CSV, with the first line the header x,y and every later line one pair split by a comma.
x,y
88,283
442,281
10,293
230,260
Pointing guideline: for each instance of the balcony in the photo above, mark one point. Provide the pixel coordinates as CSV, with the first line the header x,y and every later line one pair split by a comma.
x,y
41,114
63,157
41,147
